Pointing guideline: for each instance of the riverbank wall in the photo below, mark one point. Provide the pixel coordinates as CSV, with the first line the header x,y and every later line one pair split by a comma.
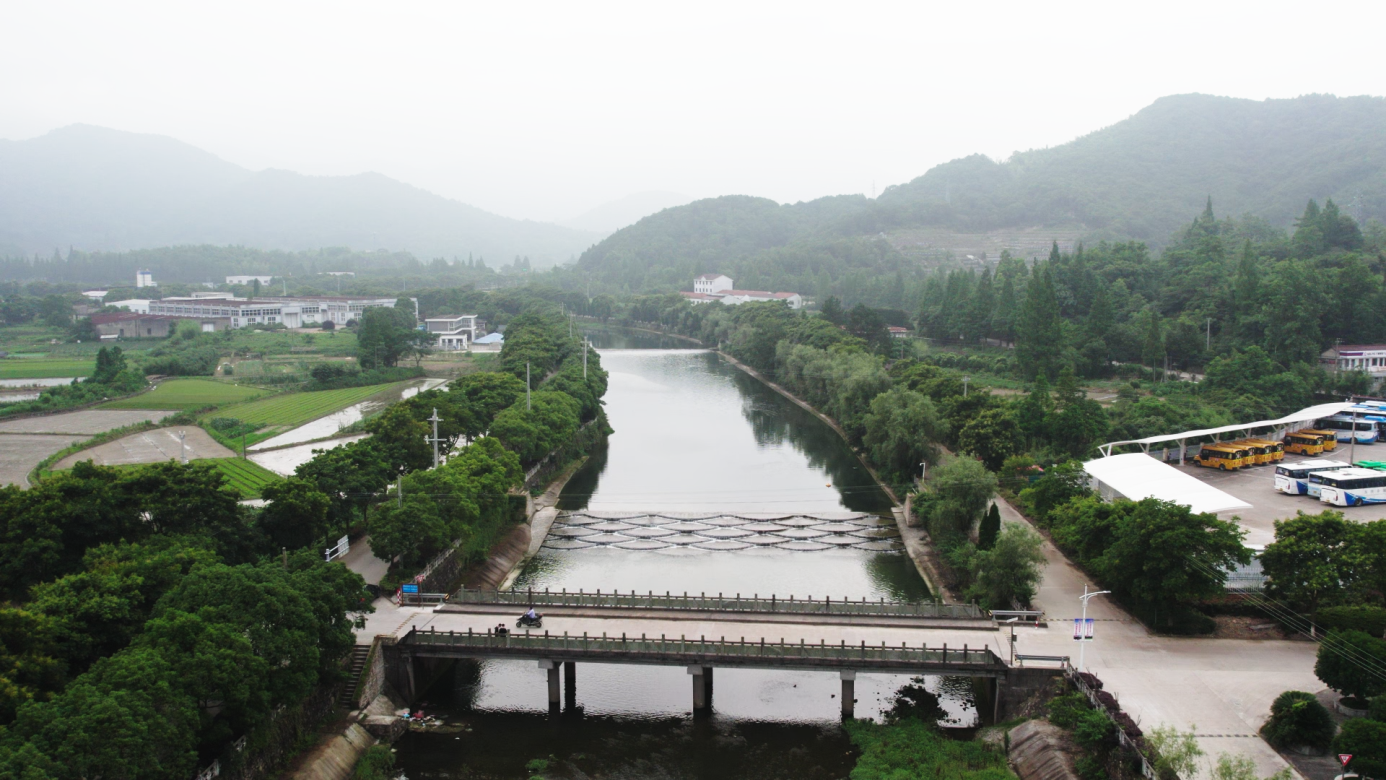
x,y
916,541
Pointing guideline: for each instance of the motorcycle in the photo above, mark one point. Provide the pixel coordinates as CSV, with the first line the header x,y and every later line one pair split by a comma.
x,y
525,622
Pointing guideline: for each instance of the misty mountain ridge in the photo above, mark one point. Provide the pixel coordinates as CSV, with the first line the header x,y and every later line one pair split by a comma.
x,y
1143,178
99,189
622,212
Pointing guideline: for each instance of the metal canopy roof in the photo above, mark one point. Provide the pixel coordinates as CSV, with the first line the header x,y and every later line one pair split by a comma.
x,y
1303,415
1137,476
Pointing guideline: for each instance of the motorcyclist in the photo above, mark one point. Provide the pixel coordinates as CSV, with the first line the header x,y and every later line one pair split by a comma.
x,y
531,615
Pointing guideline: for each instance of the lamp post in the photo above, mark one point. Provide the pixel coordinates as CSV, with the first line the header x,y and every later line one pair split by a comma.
x,y
1082,643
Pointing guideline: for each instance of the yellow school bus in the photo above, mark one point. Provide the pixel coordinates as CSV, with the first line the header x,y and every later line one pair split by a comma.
x,y
1258,454
1227,457
1302,443
1330,438
1275,450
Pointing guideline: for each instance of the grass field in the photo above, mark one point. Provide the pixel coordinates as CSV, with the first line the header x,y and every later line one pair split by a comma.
x,y
40,368
246,476
188,394
297,408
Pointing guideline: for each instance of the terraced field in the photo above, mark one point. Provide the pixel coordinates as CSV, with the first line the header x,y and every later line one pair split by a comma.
x,y
245,476
40,368
189,394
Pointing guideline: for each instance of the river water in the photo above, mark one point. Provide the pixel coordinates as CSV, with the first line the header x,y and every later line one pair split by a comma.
x,y
693,436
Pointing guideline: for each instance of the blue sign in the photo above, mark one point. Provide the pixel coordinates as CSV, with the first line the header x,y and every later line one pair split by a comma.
x,y
410,589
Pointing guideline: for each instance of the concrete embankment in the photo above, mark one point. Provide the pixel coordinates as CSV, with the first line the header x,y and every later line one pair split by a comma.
x,y
915,539
336,759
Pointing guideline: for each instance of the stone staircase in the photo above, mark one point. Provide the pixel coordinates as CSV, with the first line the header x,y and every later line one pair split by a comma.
x,y
355,665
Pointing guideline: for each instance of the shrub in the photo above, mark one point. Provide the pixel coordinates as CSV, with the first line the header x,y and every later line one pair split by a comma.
x,y
1340,663
375,764
1366,741
1367,619
1297,718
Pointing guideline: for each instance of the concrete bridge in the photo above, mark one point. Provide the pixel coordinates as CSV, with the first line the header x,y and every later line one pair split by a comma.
x,y
701,633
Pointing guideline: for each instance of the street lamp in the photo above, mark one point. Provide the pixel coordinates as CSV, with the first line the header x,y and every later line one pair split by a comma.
x,y
1082,643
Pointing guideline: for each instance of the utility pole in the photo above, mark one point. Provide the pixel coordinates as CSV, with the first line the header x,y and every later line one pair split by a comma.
x,y
527,405
183,447
584,358
1082,643
1208,338
966,379
399,494
435,419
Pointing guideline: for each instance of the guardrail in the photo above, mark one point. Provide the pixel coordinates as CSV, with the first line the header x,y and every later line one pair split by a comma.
x,y
718,603
1021,615
718,652
403,599
1061,660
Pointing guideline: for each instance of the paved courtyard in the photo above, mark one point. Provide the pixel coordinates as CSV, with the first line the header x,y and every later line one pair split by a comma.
x,y
154,446
21,452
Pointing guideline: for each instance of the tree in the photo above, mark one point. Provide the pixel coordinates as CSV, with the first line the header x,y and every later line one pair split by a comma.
x,y
1351,663
1039,337
351,475
1153,348
990,528
832,311
1009,573
1163,555
900,432
992,436
1176,752
1060,484
959,490
400,438
296,515
384,336
1307,562
29,669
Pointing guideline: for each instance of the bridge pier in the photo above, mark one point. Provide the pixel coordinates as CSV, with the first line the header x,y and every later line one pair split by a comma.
x,y
702,687
552,668
570,685
849,694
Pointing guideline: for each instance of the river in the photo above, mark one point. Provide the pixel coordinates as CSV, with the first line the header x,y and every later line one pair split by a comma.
x,y
694,437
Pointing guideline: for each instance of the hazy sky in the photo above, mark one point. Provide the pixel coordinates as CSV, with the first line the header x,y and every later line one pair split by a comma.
x,y
544,110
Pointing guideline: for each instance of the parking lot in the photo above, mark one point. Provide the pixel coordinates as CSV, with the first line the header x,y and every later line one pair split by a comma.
x,y
1256,486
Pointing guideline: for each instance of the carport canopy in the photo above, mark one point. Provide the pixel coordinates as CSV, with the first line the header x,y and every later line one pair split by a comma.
x,y
1136,475
1303,415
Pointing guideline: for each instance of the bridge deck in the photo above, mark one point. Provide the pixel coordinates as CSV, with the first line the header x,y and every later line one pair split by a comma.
x,y
669,651
553,612
720,603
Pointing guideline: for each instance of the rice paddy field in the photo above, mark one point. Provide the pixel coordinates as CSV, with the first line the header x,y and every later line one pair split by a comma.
x,y
43,367
287,411
184,394
245,476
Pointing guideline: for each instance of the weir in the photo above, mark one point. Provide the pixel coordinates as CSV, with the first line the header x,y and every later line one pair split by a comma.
x,y
721,531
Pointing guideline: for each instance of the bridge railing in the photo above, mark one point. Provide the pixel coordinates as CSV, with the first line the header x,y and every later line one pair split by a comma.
x,y
697,649
719,602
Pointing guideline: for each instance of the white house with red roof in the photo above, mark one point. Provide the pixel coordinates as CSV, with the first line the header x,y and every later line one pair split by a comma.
x,y
708,284
717,287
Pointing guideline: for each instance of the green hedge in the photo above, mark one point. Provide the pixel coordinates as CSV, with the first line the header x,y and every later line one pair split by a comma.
x,y
1368,619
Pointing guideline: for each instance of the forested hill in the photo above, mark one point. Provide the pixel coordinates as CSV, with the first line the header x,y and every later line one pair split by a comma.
x,y
1142,178
97,189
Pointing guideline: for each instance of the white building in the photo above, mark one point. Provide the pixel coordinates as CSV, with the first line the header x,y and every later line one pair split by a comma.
x,y
712,283
1370,358
95,295
136,305
291,312
249,279
454,331
144,279
736,297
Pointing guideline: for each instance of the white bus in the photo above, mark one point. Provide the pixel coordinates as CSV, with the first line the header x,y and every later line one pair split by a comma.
x,y
1353,487
1342,425
1293,478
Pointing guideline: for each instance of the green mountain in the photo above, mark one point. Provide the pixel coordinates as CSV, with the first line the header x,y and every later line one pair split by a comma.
x,y
105,190
1143,178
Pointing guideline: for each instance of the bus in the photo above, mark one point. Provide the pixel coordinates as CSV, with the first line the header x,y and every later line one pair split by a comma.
x,y
1330,437
1258,454
1227,457
1275,449
1293,478
1342,427
1353,487
1301,443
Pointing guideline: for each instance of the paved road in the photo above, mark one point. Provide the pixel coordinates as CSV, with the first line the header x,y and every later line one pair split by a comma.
x,y
90,421
1220,686
21,452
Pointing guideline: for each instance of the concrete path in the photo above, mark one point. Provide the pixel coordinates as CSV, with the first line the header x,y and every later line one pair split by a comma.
x,y
362,560
154,446
1223,687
